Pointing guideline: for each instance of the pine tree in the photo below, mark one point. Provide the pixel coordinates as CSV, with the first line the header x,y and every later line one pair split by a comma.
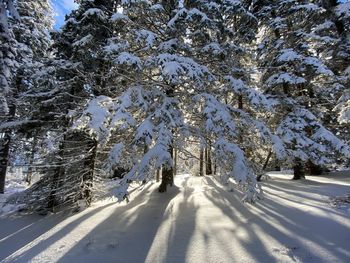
x,y
76,74
32,35
8,67
176,63
295,75
340,14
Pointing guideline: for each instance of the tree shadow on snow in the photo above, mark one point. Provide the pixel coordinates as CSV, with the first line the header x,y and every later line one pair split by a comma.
x,y
162,227
33,230
13,246
128,234
294,228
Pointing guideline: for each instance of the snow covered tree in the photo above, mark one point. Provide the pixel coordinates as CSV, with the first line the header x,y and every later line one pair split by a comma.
x,y
29,43
294,73
336,57
180,68
77,73
340,14
32,35
132,84
8,67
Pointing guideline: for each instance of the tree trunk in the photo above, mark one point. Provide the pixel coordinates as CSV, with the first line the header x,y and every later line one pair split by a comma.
x,y
298,170
201,163
258,178
31,161
168,170
167,175
208,160
5,150
57,175
240,102
267,159
215,166
175,161
88,177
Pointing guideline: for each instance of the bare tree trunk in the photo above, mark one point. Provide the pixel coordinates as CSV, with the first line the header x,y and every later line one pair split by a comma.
x,y
267,159
208,160
240,102
168,170
58,174
31,161
201,161
215,166
175,161
88,177
5,150
258,178
167,175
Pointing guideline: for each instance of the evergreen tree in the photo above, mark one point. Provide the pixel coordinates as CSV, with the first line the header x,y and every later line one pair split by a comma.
x,y
77,73
181,69
129,85
293,73
8,67
32,35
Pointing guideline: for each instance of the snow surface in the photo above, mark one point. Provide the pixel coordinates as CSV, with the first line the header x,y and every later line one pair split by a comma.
x,y
196,221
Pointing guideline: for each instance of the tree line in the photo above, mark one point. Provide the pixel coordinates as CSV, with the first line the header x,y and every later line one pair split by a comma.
x,y
126,87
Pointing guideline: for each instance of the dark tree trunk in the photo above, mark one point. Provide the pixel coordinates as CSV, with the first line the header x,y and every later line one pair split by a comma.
x,y
5,150
258,178
168,170
167,175
267,159
215,166
57,175
201,161
175,161
88,177
298,170
31,161
208,160
167,178
240,102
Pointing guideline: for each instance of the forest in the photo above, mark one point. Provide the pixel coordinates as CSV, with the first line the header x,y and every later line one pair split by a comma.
x,y
137,91
175,131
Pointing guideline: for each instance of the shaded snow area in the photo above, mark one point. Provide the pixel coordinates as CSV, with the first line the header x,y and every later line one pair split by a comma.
x,y
14,183
197,221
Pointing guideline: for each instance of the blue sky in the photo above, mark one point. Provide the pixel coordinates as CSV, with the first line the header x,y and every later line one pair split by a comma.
x,y
62,7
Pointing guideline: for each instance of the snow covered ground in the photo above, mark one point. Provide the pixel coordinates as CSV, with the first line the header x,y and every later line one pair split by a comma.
x,y
196,221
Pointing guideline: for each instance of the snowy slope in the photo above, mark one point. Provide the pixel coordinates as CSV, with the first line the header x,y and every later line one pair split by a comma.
x,y
197,221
